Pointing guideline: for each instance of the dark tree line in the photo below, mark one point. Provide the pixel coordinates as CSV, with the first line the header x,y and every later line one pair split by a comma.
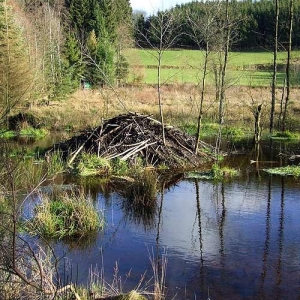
x,y
254,29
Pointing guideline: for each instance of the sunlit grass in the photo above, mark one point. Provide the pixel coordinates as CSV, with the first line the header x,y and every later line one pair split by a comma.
x,y
216,173
185,66
26,132
285,171
285,135
91,164
66,215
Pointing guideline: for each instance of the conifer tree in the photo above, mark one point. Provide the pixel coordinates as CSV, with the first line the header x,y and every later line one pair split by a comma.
x,y
15,77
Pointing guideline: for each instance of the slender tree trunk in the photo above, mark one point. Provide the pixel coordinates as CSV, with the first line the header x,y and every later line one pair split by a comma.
x,y
6,72
273,101
224,67
288,63
202,98
160,104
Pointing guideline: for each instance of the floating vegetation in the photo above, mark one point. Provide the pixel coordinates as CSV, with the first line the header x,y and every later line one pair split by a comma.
x,y
216,173
285,171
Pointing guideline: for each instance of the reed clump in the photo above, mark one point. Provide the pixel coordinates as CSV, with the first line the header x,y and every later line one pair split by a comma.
x,y
67,215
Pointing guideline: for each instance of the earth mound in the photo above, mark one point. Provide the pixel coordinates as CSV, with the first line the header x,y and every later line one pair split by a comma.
x,y
131,136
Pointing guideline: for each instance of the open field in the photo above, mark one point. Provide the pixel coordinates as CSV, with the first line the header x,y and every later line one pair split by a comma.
x,y
185,66
248,86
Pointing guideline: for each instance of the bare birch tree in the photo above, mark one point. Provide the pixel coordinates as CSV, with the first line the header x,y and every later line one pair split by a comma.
x,y
203,32
160,37
274,77
288,64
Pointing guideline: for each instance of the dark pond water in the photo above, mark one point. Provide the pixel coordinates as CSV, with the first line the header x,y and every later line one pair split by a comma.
x,y
238,239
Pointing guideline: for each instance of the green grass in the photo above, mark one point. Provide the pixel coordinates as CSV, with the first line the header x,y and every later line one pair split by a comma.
x,y
183,66
91,164
285,136
285,171
64,216
55,164
216,173
233,133
27,132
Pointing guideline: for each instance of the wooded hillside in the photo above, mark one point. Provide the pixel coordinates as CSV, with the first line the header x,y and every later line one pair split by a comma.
x,y
253,23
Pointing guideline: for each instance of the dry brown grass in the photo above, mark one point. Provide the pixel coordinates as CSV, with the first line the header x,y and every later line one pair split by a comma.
x,y
87,108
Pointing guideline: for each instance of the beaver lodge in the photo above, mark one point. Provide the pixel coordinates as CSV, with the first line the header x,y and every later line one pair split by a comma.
x,y
131,136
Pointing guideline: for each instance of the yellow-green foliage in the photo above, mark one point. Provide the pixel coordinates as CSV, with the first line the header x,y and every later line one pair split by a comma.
x,y
64,216
143,189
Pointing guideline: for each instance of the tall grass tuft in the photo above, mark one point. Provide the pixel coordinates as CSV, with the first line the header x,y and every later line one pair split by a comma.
x,y
142,191
223,173
55,163
67,215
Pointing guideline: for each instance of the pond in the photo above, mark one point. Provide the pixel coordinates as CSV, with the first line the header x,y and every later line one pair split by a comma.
x,y
233,240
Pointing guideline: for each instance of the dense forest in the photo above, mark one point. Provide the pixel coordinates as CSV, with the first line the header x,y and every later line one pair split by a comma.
x,y
50,48
253,23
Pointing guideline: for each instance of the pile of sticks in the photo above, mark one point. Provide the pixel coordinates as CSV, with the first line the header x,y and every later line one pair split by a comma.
x,y
131,136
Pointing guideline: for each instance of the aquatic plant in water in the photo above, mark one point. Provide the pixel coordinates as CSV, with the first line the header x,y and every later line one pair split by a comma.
x,y
285,171
216,173
64,216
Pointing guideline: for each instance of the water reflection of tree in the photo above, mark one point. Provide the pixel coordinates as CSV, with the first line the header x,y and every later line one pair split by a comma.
x,y
265,265
263,274
280,242
198,213
221,225
221,218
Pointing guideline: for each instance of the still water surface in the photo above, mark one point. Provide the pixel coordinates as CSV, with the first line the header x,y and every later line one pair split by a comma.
x,y
234,240
237,240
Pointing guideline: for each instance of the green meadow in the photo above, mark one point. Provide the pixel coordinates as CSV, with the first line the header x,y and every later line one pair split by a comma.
x,y
185,66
